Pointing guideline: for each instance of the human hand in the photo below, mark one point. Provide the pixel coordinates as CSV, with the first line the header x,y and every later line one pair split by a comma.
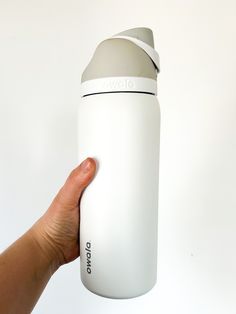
x,y
57,231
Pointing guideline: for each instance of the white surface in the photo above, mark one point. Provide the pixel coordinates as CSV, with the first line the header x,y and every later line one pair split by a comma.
x,y
119,84
119,208
44,47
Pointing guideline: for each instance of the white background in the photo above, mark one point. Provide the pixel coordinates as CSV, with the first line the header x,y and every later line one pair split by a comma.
x,y
44,47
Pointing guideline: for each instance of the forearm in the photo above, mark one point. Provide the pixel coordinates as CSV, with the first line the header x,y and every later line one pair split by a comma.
x,y
25,268
27,265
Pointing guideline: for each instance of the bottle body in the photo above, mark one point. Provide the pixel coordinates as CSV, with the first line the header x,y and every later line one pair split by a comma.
x,y
118,210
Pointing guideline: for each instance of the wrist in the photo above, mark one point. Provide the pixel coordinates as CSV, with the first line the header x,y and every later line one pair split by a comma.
x,y
47,252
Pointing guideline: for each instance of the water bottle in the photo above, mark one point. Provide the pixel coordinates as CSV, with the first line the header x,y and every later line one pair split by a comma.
x,y
119,126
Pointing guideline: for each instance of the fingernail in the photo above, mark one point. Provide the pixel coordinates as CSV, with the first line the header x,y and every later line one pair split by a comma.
x,y
86,165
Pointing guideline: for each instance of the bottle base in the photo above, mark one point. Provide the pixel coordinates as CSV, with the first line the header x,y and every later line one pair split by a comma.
x,y
120,297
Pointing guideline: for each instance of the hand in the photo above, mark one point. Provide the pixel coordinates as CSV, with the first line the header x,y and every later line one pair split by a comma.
x,y
57,231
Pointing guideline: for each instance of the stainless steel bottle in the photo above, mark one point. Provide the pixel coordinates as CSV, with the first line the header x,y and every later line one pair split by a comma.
x,y
119,126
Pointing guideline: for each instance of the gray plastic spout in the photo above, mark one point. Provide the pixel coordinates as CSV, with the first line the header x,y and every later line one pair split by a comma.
x,y
121,57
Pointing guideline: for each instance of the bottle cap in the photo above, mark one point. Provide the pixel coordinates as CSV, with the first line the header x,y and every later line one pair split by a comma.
x,y
126,61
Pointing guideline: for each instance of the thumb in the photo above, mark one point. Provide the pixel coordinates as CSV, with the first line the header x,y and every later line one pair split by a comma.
x,y
69,195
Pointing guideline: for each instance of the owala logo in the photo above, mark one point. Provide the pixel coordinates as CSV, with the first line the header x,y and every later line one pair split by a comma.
x,y
88,255
119,84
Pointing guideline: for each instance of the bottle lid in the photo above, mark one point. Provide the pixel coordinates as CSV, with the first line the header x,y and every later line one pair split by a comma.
x,y
124,62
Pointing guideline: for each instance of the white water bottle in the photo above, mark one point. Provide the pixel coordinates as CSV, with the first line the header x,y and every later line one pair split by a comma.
x,y
119,126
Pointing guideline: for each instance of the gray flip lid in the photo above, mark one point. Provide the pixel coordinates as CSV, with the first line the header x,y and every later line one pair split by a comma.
x,y
129,53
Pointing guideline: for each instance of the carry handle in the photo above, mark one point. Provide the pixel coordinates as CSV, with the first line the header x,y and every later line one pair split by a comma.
x,y
152,53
